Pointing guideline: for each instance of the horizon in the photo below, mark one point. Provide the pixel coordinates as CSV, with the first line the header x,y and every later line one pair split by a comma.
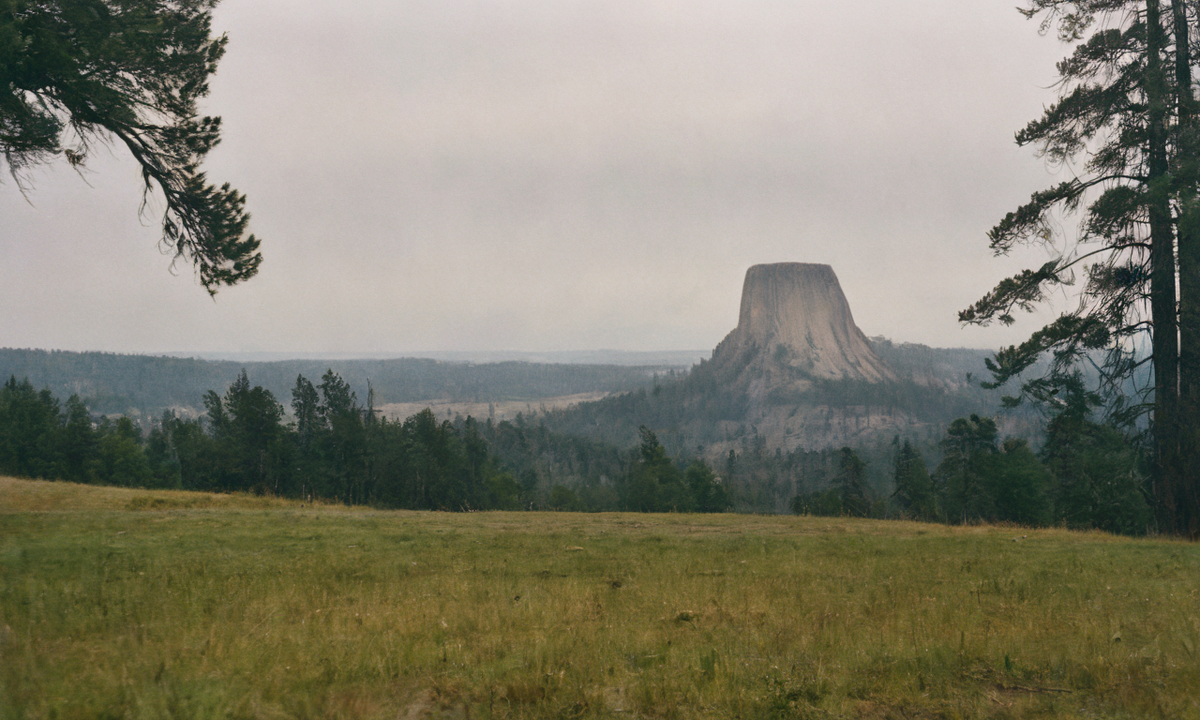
x,y
596,356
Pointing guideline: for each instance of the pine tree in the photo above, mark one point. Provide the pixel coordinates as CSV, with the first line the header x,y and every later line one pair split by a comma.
x,y
28,430
132,71
120,458
914,490
255,433
1097,479
306,404
78,443
655,484
1016,482
1128,110
344,441
965,494
851,483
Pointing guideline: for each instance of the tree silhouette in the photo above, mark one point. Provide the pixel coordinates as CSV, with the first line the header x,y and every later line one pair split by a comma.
x,y
74,73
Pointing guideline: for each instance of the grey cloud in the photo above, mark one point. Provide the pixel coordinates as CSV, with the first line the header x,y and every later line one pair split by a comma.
x,y
568,174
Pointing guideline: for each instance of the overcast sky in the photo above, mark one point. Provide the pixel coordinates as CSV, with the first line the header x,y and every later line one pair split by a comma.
x,y
560,175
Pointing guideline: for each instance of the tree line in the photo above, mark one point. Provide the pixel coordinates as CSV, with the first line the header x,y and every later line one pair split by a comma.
x,y
1086,475
334,448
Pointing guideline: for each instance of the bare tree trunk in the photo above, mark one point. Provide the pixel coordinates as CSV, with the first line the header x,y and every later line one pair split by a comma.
x,y
1188,172
1162,280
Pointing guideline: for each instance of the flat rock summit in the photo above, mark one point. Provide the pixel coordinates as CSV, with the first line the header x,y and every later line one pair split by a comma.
x,y
795,321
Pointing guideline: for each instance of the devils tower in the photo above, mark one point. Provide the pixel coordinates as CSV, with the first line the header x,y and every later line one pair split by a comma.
x,y
796,373
795,326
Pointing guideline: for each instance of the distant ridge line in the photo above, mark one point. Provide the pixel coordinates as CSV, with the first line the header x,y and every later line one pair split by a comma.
x,y
630,358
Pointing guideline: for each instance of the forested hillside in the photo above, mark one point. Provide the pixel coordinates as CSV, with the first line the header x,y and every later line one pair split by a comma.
x,y
708,410
334,448
143,385
669,443
337,449
694,412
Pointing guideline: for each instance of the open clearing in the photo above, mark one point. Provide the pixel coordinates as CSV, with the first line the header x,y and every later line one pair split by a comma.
x,y
150,604
498,410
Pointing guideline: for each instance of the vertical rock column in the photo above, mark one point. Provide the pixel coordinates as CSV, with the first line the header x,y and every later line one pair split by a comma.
x,y
800,307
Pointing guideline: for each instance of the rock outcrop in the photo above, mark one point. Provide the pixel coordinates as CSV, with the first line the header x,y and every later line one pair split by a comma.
x,y
796,373
795,324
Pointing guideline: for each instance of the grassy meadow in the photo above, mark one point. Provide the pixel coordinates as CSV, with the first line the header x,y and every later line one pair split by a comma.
x,y
154,604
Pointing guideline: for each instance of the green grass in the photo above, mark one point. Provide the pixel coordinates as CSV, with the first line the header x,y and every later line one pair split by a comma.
x,y
149,605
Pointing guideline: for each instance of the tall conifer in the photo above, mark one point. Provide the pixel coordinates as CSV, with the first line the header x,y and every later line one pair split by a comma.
x,y
1127,111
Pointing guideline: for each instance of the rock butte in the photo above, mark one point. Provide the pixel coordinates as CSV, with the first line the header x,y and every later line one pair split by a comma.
x,y
795,315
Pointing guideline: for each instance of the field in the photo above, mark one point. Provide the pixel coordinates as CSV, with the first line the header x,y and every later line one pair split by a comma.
x,y
126,603
498,410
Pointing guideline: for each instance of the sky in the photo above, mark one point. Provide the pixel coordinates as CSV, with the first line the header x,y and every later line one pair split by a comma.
x,y
560,175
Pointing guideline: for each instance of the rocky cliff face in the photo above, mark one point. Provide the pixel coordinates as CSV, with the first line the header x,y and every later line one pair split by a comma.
x,y
796,373
795,326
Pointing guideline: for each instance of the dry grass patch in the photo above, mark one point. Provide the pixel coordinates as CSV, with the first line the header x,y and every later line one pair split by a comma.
x,y
20,495
291,611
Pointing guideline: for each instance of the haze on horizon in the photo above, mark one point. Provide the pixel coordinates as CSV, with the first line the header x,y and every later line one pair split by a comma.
x,y
560,175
